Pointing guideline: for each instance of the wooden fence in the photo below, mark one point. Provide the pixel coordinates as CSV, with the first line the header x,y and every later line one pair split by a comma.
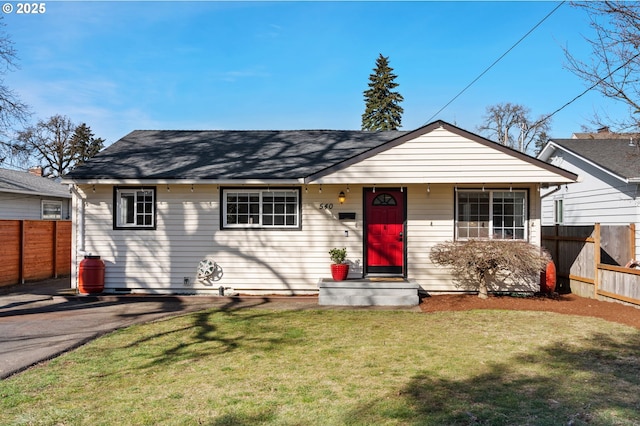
x,y
32,250
590,260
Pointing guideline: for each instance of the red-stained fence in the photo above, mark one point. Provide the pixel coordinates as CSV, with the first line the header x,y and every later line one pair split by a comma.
x,y
32,250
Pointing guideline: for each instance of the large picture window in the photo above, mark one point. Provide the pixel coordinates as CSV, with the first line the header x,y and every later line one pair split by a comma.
x,y
135,208
255,208
491,214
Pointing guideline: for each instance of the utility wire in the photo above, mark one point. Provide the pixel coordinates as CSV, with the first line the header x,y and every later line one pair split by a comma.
x,y
495,62
593,86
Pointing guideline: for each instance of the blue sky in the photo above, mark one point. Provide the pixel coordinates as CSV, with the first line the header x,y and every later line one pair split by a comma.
x,y
120,66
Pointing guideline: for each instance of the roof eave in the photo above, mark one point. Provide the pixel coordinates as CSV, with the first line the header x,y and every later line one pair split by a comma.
x,y
35,193
547,151
593,164
112,181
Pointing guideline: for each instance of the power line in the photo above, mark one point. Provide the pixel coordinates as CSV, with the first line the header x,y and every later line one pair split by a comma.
x,y
495,62
593,86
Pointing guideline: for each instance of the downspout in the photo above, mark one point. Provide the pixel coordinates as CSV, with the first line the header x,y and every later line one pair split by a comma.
x,y
77,232
551,192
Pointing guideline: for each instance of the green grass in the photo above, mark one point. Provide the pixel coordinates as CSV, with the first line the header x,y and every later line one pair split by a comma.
x,y
339,367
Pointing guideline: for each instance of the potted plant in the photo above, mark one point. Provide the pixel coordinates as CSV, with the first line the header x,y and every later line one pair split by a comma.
x,y
339,269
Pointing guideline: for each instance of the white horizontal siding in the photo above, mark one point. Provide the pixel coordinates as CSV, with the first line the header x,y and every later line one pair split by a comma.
x,y
255,260
442,157
27,207
597,197
188,231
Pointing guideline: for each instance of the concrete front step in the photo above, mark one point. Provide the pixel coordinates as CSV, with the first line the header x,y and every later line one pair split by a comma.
x,y
364,292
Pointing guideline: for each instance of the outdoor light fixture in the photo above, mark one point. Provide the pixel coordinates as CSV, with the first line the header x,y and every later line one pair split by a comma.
x,y
341,197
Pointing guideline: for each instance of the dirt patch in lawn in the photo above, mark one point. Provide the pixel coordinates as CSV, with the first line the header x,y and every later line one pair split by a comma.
x,y
563,304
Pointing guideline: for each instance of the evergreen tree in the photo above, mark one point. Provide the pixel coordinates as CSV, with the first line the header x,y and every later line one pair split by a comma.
x,y
84,145
382,104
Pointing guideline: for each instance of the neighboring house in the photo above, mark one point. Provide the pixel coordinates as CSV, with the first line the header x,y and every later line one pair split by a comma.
x,y
607,191
267,206
28,195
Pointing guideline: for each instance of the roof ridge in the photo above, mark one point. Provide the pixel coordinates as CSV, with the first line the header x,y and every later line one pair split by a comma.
x,y
267,130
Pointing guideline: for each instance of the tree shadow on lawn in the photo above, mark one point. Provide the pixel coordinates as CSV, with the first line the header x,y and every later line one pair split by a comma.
x,y
595,381
216,336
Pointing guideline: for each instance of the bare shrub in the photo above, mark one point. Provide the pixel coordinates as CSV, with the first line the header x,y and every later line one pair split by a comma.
x,y
479,262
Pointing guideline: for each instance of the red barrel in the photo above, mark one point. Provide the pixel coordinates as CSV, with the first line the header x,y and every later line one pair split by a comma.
x,y
91,275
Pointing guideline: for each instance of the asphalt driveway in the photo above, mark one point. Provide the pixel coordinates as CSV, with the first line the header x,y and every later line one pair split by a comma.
x,y
42,320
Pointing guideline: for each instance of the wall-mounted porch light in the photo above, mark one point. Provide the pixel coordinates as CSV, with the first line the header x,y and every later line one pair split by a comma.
x,y
341,197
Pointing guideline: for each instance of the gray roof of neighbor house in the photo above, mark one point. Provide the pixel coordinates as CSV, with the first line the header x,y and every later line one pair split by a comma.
x,y
26,183
228,154
614,155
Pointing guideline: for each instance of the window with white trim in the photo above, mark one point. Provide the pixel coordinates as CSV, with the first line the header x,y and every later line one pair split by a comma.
x,y
51,210
558,211
491,214
257,208
135,208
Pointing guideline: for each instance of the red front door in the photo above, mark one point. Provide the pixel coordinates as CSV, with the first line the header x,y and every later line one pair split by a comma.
x,y
385,231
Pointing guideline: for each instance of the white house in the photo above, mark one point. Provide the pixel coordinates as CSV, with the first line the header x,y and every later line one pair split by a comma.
x,y
607,191
267,206
29,196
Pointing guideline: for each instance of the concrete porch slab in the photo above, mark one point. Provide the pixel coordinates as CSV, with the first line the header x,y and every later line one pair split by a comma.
x,y
365,292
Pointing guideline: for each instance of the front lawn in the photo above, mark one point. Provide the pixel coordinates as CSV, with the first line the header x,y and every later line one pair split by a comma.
x,y
340,367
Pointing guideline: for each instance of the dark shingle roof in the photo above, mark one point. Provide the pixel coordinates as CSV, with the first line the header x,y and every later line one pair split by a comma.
x,y
26,183
614,155
269,154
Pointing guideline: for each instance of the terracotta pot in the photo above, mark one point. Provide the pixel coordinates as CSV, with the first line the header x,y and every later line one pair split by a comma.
x,y
340,271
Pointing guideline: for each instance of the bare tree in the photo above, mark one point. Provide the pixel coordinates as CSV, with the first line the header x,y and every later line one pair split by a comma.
x,y
51,142
478,263
12,110
511,125
614,66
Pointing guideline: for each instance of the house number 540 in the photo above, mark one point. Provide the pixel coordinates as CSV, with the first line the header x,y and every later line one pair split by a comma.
x,y
327,206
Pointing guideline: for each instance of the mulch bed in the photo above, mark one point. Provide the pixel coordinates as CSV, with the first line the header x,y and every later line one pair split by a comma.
x,y
563,304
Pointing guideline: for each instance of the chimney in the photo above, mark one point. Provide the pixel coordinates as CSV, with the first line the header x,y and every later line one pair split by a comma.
x,y
37,171
604,129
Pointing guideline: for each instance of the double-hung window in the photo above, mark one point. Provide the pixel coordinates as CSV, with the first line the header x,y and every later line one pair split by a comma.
x,y
258,208
135,208
558,211
491,214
